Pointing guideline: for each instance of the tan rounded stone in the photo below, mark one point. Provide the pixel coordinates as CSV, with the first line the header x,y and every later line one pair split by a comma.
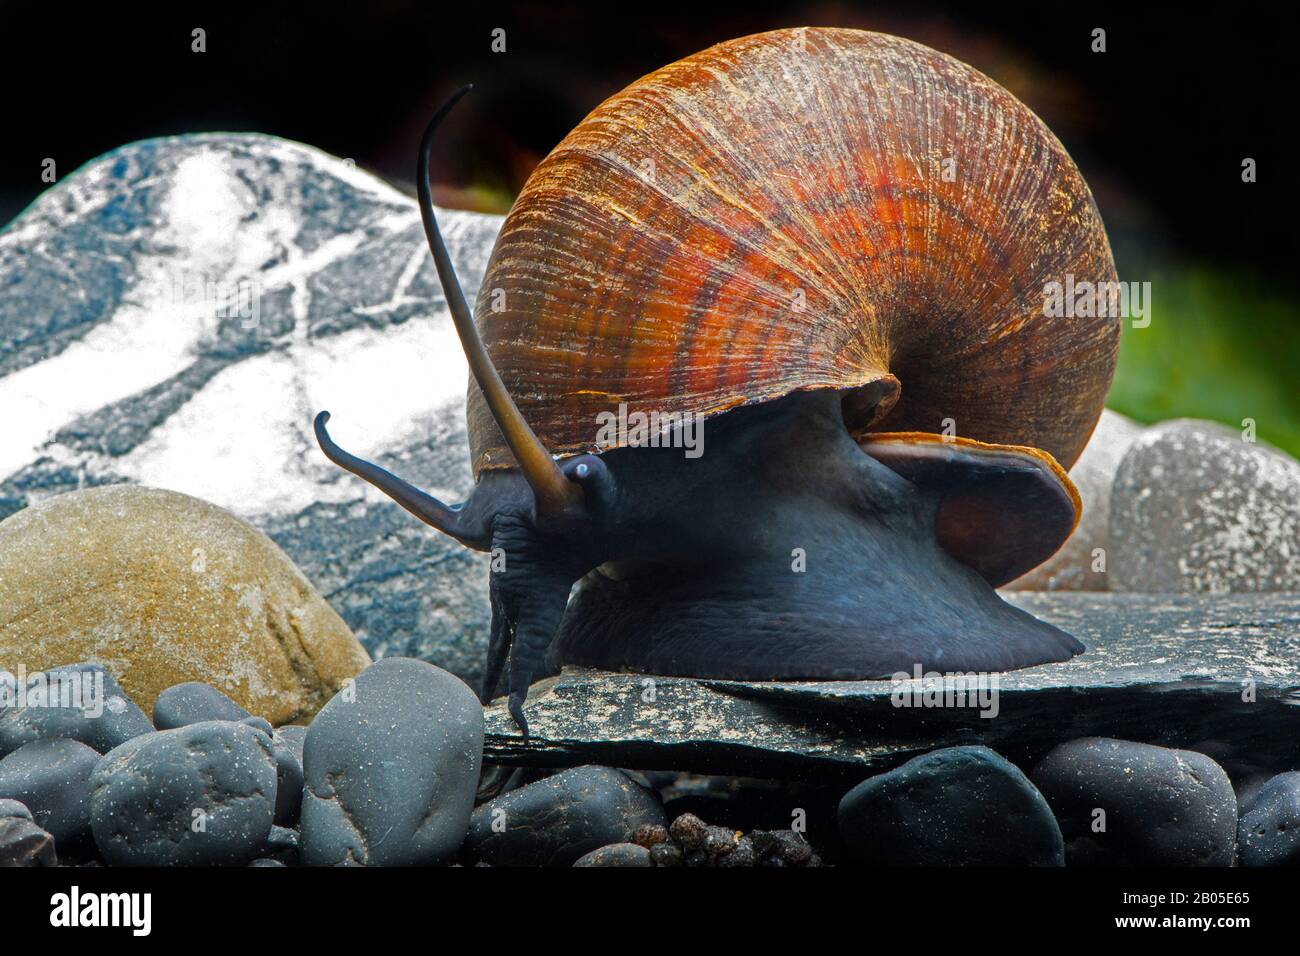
x,y
162,588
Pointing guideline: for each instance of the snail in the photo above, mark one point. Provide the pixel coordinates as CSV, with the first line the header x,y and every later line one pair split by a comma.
x,y
829,248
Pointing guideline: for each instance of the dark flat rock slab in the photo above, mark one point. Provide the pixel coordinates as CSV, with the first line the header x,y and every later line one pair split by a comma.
x,y
1208,672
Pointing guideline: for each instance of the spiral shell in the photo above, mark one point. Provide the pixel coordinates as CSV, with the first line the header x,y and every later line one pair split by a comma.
x,y
802,209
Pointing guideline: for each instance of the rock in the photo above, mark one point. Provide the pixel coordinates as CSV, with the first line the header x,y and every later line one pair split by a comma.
x,y
14,808
1269,831
52,779
704,845
77,702
961,806
259,723
283,845
783,848
1164,668
288,785
692,842
556,821
616,854
1196,508
199,795
170,293
23,843
391,767
265,862
1072,567
667,855
163,588
292,736
1158,806
193,703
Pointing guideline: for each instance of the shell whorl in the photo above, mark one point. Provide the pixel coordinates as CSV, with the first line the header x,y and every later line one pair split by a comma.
x,y
801,209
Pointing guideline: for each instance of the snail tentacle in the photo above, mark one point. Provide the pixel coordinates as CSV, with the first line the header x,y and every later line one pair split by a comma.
x,y
455,520
555,494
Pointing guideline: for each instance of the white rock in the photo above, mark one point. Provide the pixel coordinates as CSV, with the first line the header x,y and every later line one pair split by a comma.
x,y
175,314
1195,507
1072,568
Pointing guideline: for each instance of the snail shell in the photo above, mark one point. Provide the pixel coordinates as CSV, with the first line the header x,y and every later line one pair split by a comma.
x,y
802,209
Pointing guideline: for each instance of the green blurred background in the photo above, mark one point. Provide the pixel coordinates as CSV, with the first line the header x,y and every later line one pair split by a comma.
x,y
1222,344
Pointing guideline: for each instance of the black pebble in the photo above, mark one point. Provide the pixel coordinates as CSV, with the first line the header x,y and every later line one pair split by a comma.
x,y
23,843
556,821
52,779
1122,803
193,703
202,794
14,808
616,854
292,736
111,719
391,765
1269,831
960,806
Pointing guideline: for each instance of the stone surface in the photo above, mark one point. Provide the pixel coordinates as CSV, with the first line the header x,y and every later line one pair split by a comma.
x,y
391,767
193,703
258,723
14,808
121,361
1269,831
1072,567
293,736
200,795
23,843
52,779
1131,804
163,588
1194,507
77,701
1168,670
288,783
556,821
616,854
283,846
960,806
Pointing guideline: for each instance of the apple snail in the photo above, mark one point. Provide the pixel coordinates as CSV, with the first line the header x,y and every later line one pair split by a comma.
x,y
828,250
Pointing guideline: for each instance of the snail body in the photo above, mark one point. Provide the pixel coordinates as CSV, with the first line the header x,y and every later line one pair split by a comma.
x,y
830,247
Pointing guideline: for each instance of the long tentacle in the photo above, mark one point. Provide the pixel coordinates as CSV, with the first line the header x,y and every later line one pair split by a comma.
x,y
430,510
554,493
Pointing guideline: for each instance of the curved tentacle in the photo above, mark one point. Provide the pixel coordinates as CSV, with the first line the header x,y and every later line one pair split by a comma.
x,y
455,521
554,493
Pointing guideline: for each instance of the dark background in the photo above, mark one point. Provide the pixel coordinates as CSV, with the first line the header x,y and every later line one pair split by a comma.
x,y
1159,124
